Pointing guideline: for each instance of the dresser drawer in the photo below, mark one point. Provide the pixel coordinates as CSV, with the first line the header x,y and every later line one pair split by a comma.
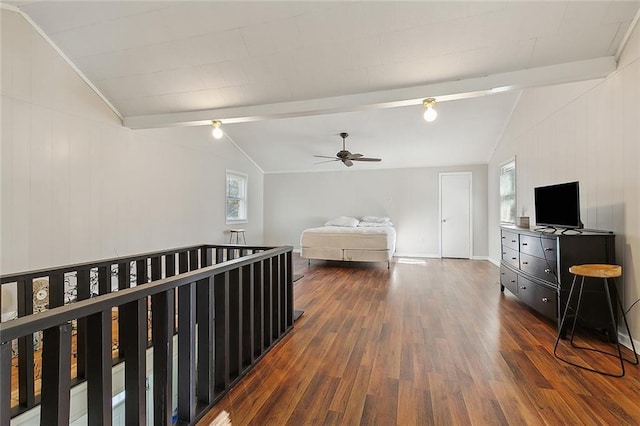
x,y
539,247
510,240
539,297
512,257
509,279
539,268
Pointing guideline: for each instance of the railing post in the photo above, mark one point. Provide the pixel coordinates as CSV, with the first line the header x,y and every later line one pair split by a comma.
x,y
258,310
5,383
83,285
234,322
56,375
99,368
205,314
26,390
162,305
134,345
221,303
124,281
186,352
247,316
290,288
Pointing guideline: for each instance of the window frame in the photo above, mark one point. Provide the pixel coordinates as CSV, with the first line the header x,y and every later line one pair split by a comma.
x,y
504,197
243,216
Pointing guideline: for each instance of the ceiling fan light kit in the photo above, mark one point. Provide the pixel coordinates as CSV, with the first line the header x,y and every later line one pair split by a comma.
x,y
217,131
345,156
430,113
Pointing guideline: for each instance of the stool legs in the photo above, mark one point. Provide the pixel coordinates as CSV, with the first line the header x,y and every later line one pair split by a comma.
x,y
613,322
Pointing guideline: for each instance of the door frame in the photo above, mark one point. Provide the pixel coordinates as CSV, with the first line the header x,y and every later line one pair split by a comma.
x,y
470,178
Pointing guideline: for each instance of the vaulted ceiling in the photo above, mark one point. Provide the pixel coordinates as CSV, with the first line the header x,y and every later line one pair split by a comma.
x,y
286,78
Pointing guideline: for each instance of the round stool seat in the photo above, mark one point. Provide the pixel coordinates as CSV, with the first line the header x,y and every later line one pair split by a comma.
x,y
595,270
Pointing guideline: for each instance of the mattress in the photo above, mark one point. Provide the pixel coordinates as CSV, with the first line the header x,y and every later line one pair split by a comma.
x,y
348,243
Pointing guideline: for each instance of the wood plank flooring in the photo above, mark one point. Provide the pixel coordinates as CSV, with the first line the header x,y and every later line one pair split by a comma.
x,y
425,342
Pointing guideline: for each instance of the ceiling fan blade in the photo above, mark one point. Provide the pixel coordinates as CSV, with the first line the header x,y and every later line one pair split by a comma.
x,y
324,156
327,161
354,156
366,159
347,162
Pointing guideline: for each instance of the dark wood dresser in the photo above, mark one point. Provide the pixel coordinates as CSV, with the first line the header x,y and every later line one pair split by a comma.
x,y
535,267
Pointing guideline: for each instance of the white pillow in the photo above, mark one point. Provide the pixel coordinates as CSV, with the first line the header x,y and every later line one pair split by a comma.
x,y
343,221
375,219
374,224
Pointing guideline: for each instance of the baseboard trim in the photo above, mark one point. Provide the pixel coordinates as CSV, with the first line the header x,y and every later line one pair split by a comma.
x,y
495,262
418,255
626,342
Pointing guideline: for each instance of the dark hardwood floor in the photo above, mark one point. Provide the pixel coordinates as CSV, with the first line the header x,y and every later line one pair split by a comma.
x,y
425,342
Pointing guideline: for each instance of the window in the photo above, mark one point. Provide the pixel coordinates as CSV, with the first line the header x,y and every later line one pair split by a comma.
x,y
236,197
508,192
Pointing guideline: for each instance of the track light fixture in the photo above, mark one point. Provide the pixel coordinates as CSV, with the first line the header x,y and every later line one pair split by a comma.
x,y
430,114
217,131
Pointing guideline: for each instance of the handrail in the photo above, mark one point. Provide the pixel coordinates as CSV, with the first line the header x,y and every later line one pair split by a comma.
x,y
240,297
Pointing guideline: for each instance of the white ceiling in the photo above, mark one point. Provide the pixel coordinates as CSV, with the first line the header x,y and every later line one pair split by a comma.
x,y
287,77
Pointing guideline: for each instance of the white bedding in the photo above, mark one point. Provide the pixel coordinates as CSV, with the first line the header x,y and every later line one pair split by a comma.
x,y
367,244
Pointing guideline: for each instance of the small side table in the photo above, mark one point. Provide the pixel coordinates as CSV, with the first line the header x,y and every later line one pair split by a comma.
x,y
234,234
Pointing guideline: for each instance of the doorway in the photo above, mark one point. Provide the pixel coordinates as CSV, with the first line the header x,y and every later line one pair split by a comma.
x,y
456,215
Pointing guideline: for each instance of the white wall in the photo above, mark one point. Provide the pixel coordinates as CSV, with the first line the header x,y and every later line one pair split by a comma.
x,y
589,132
295,201
77,186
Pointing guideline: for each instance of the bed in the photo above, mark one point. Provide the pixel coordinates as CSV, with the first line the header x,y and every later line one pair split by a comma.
x,y
358,241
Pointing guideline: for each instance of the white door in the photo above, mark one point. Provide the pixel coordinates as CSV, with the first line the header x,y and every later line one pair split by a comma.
x,y
455,215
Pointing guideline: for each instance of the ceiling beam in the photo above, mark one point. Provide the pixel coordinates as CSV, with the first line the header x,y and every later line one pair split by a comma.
x,y
443,91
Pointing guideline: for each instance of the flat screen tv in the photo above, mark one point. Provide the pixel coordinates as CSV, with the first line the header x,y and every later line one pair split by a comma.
x,y
558,205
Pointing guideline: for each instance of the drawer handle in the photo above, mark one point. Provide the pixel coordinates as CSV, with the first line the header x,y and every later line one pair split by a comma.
x,y
514,258
544,299
548,249
513,281
524,244
548,271
504,238
525,263
524,287
513,241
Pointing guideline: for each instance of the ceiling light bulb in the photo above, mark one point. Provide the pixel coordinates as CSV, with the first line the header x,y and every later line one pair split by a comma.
x,y
217,131
430,114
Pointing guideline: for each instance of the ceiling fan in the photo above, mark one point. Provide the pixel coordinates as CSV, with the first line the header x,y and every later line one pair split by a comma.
x,y
345,156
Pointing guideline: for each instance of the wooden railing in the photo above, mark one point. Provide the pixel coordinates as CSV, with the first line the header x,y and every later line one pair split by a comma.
x,y
240,298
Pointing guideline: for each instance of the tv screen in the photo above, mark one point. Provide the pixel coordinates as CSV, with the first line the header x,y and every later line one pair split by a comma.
x,y
558,205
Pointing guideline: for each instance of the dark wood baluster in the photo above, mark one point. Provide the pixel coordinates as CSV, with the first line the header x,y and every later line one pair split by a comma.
x,y
234,310
193,260
56,290
170,271
83,292
247,315
26,391
258,310
183,263
186,351
162,305
124,281
206,257
134,345
275,299
289,289
219,255
266,300
56,375
142,274
104,279
221,306
5,383
99,363
205,318
282,292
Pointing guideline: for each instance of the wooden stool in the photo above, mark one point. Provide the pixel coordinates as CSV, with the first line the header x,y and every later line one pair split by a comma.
x,y
237,233
605,272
